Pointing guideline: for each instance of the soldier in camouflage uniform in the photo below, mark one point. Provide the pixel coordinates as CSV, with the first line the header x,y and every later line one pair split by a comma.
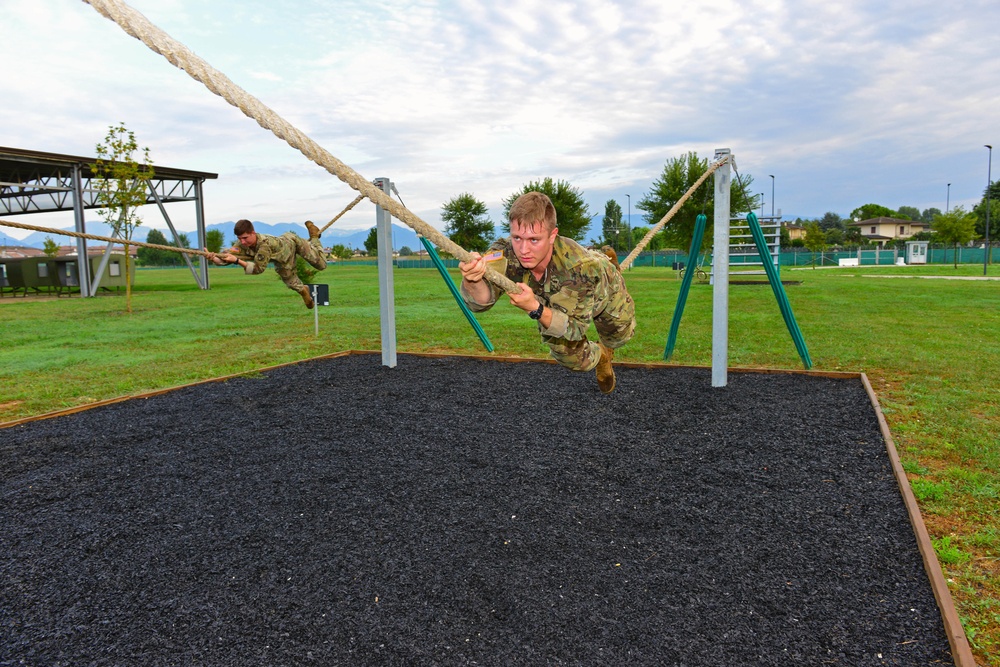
x,y
564,286
255,251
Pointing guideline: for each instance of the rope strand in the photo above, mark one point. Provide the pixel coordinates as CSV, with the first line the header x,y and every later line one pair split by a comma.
x,y
341,214
109,239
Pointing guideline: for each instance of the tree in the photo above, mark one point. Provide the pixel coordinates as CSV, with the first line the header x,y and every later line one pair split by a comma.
x,y
678,175
304,270
869,211
928,214
831,220
834,236
214,240
908,213
815,240
955,227
155,256
371,242
405,251
121,182
854,235
614,232
572,215
50,248
980,212
467,223
340,251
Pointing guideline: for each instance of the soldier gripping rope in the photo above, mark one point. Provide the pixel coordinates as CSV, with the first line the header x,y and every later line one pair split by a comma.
x,y
256,250
564,286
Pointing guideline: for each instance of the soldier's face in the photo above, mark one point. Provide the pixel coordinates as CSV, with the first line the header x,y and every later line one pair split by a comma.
x,y
247,240
532,243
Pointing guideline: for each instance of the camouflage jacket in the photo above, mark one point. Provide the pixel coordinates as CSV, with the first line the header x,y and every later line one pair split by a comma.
x,y
577,286
277,249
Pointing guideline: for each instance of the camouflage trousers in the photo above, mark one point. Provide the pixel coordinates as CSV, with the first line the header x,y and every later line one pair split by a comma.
x,y
311,251
615,324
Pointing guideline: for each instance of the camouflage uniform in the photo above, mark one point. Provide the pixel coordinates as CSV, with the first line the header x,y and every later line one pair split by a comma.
x,y
579,286
282,251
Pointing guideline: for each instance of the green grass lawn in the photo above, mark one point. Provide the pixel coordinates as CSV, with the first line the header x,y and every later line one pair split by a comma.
x,y
931,349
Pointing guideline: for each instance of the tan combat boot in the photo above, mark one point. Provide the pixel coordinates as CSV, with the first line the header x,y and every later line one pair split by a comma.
x,y
612,255
307,297
605,373
313,231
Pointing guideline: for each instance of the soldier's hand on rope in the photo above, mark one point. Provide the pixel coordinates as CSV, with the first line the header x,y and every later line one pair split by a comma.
x,y
473,270
214,258
525,300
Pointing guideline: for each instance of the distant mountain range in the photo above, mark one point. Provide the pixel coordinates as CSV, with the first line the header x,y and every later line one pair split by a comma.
x,y
353,238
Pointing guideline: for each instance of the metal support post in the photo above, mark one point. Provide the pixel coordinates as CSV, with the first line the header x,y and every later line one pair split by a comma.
x,y
82,259
720,273
199,213
387,302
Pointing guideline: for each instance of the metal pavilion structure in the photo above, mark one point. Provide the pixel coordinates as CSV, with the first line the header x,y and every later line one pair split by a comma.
x,y
38,182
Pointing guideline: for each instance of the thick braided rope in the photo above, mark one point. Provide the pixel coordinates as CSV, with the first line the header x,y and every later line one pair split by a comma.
x,y
627,262
137,25
81,235
341,214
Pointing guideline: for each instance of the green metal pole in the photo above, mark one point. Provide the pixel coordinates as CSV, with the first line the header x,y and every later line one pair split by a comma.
x,y
778,289
455,293
699,233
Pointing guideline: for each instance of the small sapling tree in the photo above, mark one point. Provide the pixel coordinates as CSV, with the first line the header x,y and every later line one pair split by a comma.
x,y
121,183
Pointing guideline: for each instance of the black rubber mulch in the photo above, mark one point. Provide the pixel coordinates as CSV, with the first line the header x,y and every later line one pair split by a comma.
x,y
463,512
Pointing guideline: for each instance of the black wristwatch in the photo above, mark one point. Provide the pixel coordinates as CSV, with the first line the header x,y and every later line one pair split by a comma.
x,y
536,314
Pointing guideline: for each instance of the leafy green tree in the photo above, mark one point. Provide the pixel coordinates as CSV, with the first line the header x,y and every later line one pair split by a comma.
x,y
155,256
304,270
677,177
834,236
214,240
184,241
371,242
50,247
815,240
955,227
572,215
928,214
405,251
869,211
980,212
121,182
853,235
467,223
614,231
831,220
908,213
341,251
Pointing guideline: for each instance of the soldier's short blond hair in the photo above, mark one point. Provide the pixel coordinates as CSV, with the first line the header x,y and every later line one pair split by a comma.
x,y
533,208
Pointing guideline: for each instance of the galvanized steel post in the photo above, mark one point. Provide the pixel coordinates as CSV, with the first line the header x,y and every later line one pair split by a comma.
x,y
720,273
386,294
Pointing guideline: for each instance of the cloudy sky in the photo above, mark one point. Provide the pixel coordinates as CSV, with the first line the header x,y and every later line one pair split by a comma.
x,y
844,102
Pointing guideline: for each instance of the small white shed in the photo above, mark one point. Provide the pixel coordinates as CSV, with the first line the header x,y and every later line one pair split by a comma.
x,y
916,252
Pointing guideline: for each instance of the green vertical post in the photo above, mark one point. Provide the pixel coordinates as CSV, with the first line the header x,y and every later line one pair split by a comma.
x,y
699,233
454,292
778,289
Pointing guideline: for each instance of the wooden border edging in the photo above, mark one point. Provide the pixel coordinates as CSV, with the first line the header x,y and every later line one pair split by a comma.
x,y
960,649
